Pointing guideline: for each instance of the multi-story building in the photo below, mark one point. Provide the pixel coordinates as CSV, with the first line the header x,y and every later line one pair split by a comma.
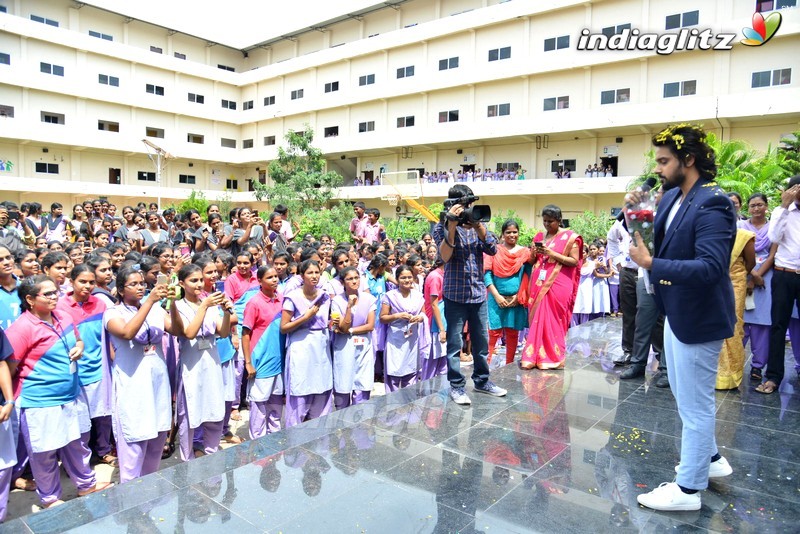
x,y
419,84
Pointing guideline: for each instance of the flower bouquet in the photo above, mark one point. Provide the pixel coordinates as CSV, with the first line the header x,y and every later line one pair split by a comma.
x,y
639,218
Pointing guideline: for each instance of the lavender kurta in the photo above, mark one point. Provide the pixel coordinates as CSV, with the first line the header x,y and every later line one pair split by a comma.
x,y
403,352
200,372
141,391
308,368
353,366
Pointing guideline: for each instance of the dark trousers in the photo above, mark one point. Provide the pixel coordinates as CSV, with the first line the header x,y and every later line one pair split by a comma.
x,y
627,305
785,295
476,315
649,329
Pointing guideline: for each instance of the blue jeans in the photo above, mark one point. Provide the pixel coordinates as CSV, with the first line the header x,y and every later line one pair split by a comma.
x,y
692,371
455,313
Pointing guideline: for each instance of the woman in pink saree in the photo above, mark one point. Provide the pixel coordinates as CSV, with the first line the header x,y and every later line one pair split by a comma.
x,y
553,286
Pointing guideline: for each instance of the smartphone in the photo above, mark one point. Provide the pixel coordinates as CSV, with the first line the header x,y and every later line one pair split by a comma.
x,y
161,279
272,236
219,285
13,215
184,251
537,243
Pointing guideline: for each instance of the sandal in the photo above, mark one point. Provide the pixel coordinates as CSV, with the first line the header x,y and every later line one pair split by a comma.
x,y
109,459
755,374
25,484
169,450
767,388
235,415
232,438
100,486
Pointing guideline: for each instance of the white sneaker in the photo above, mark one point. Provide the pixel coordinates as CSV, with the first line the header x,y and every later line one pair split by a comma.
x,y
668,497
459,396
718,469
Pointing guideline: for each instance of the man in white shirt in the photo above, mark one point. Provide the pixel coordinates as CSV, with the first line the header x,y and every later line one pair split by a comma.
x,y
784,230
618,244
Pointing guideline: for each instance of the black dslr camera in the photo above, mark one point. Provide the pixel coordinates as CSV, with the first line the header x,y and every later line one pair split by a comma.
x,y
473,213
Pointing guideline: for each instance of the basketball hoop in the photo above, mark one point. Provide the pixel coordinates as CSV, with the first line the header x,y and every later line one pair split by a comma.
x,y
393,200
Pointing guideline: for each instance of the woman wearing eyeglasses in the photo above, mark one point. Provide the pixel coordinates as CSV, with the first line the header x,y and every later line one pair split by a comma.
x,y
142,398
86,311
44,370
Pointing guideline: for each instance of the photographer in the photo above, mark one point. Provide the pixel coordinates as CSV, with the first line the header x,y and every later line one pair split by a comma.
x,y
462,240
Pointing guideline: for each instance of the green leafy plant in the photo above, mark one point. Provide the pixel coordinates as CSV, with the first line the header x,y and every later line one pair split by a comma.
x,y
526,232
195,201
298,179
591,226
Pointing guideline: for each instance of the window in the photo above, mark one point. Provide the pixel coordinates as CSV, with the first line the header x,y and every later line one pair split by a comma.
x,y
615,96
197,99
188,179
179,55
247,143
368,126
556,43
269,100
108,126
297,94
369,79
53,118
331,131
106,79
561,102
149,131
775,77
682,20
46,168
227,143
448,116
99,35
405,122
231,184
496,54
225,67
568,164
154,89
686,88
614,30
247,105
55,70
498,110
228,104
331,87
405,72
450,63
769,5
5,59
195,138
156,49
43,20
7,111
146,176
269,140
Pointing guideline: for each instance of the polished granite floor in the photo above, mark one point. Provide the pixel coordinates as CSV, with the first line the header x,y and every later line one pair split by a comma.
x,y
565,451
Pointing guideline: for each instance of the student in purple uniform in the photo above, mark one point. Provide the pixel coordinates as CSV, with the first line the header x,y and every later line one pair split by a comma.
x,y
200,397
44,366
142,399
94,375
407,334
353,316
8,425
262,346
308,374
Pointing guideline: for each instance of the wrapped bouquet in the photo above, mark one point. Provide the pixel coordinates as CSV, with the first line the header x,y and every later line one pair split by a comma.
x,y
639,218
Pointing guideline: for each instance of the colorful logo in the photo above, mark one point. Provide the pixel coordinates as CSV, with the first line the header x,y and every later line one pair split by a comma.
x,y
763,29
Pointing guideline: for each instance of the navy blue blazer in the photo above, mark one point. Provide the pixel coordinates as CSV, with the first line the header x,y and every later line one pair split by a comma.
x,y
690,269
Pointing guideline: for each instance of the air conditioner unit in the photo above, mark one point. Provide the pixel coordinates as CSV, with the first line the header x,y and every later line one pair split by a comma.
x,y
401,208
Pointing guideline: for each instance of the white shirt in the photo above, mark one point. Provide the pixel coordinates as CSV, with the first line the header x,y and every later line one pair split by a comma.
x,y
618,246
784,229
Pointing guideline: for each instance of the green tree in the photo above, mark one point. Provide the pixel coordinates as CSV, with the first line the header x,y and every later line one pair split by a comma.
x,y
591,226
195,201
298,178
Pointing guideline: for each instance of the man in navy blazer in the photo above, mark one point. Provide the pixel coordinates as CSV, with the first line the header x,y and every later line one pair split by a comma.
x,y
694,232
